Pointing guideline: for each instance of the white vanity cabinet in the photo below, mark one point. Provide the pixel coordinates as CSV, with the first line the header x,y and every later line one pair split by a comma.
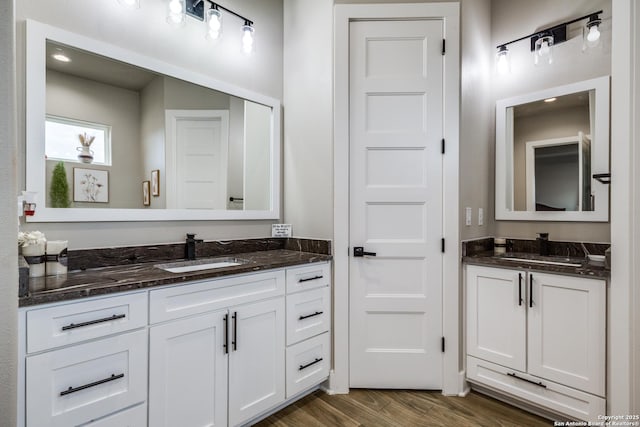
x,y
308,324
217,344
540,337
86,362
215,352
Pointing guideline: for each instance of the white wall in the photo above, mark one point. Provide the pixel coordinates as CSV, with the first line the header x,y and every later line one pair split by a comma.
x,y
308,117
511,19
8,221
145,31
476,116
257,163
152,136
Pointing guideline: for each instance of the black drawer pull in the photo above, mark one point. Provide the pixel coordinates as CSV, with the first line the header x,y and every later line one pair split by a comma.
x,y
539,384
308,279
234,340
310,364
70,390
225,321
317,313
93,322
519,288
530,290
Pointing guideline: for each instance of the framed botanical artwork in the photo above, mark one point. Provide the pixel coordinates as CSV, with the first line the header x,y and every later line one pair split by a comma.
x,y
155,182
146,193
90,185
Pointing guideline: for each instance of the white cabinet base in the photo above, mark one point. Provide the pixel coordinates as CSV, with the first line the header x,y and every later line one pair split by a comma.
x,y
554,397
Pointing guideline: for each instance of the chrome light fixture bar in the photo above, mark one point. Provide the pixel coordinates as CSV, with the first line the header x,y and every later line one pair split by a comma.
x,y
541,42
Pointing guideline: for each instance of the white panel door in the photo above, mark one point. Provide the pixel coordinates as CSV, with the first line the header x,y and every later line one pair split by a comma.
x,y
256,359
197,153
567,331
188,372
497,316
396,103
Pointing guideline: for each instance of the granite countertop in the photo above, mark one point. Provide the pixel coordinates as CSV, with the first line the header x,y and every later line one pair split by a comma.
x,y
585,269
111,279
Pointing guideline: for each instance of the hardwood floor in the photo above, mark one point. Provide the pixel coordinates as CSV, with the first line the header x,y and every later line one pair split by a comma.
x,y
400,408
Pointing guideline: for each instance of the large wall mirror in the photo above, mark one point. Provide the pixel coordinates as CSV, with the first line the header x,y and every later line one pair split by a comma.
x,y
137,139
549,146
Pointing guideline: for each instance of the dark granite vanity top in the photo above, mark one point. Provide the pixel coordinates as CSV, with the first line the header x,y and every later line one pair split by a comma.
x,y
521,255
102,280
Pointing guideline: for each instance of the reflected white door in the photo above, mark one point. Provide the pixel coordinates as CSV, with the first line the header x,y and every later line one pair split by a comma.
x,y
197,151
396,131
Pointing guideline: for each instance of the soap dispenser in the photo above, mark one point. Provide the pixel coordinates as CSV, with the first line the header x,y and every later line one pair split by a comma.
x,y
543,243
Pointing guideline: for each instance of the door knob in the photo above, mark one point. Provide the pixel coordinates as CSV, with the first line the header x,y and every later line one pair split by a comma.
x,y
358,251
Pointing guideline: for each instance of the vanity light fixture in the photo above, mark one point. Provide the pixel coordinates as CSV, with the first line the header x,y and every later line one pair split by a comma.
x,y
542,41
213,20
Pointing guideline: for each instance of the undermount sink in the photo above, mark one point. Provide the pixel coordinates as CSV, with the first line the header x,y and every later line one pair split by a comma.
x,y
201,264
542,261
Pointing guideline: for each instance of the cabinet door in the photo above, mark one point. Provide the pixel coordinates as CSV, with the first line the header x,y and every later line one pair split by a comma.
x,y
496,316
256,359
567,324
188,372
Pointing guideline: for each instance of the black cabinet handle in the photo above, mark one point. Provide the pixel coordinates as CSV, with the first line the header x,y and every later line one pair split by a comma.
x,y
524,379
226,333
234,341
317,313
318,360
530,290
70,390
358,251
93,322
519,288
308,279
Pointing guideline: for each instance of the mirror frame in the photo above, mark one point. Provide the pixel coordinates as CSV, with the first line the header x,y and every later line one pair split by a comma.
x,y
37,35
599,155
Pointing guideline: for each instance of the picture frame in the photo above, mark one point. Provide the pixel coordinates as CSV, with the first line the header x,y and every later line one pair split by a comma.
x,y
146,193
90,185
155,182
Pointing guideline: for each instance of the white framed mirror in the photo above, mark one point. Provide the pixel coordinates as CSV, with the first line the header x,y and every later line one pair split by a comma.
x,y
143,140
549,146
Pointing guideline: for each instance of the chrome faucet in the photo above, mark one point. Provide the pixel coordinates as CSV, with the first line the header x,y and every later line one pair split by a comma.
x,y
543,243
190,248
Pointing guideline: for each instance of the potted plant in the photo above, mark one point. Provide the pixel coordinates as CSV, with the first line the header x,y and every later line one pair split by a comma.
x,y
59,191
86,154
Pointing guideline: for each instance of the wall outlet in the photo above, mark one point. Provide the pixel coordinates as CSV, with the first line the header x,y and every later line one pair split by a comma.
x,y
480,216
467,216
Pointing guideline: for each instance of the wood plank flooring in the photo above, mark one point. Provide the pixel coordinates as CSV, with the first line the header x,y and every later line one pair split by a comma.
x,y
400,408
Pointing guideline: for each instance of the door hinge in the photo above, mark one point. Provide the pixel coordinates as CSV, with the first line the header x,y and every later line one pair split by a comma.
x,y
442,245
443,144
443,46
443,344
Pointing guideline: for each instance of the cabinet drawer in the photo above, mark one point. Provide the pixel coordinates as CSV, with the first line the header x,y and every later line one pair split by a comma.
x,y
308,314
77,384
308,363
131,417
72,323
555,397
308,277
210,295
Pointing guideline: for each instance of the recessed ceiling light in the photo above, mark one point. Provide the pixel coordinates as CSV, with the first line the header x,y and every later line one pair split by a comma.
x,y
549,99
60,56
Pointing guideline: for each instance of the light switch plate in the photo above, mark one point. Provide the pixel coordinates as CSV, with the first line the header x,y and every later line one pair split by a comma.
x,y
480,216
467,216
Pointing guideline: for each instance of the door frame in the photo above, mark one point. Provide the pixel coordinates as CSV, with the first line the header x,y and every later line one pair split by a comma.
x,y
453,374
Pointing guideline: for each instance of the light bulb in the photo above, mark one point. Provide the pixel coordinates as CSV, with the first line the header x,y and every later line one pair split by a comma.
x,y
214,23
502,60
175,6
176,15
544,48
594,34
247,38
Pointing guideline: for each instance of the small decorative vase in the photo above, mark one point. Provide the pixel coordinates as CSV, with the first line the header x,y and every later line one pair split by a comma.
x,y
85,154
34,255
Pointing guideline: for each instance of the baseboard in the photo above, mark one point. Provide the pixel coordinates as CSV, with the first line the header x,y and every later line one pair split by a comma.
x,y
552,416
463,385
